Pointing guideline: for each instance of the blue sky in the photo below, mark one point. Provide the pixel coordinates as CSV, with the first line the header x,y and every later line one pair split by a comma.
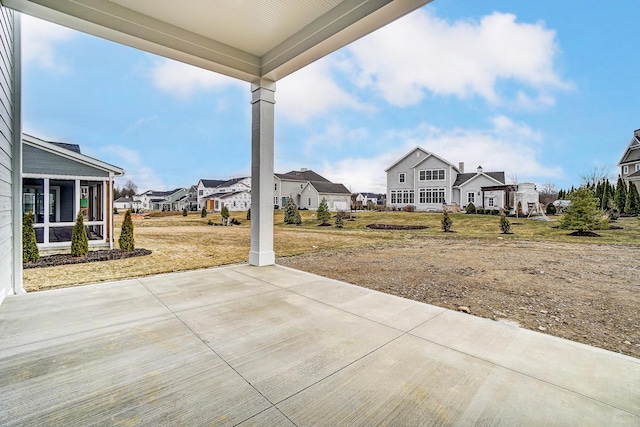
x,y
546,91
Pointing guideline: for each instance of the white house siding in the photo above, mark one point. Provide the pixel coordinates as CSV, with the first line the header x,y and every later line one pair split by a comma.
x,y
290,189
431,187
393,177
337,202
309,199
474,185
237,202
10,237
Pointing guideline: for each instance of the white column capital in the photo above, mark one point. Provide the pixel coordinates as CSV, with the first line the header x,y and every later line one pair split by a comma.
x,y
263,92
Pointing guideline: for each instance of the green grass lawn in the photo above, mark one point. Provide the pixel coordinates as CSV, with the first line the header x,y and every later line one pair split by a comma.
x,y
185,243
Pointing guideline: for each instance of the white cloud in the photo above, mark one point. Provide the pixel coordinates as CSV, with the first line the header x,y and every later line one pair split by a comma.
x,y
421,52
312,92
39,41
143,176
334,136
183,80
508,146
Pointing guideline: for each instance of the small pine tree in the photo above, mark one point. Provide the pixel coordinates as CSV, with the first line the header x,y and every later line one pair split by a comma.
x,y
249,214
203,212
632,205
323,215
79,240
471,208
29,246
620,196
184,212
224,212
583,213
505,225
339,220
127,242
290,210
447,223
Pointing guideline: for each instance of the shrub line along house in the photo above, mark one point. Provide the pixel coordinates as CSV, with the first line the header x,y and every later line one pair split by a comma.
x,y
248,50
428,182
630,161
58,181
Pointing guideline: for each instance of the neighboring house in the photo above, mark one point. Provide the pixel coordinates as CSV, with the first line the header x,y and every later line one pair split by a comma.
x,y
429,182
234,201
58,181
153,200
126,202
363,200
307,189
630,161
210,190
189,200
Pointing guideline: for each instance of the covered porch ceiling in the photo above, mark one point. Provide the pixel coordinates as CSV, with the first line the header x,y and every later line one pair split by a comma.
x,y
245,39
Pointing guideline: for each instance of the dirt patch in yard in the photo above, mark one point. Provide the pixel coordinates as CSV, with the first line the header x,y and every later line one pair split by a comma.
x,y
588,293
92,256
396,227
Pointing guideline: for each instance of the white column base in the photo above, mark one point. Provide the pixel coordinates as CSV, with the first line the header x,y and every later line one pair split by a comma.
x,y
261,259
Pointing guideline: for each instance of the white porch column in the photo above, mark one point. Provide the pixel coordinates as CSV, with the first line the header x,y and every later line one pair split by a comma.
x,y
46,189
262,131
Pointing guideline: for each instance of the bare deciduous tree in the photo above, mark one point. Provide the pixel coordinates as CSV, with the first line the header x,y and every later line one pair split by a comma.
x,y
548,193
593,177
129,189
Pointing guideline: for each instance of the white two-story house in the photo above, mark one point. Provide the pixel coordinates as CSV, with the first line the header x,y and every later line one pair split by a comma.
x,y
234,193
429,182
630,161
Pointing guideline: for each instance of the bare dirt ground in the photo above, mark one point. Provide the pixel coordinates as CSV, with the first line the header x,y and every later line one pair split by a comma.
x,y
588,293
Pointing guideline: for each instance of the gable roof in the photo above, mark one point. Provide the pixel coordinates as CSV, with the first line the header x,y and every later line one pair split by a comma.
x,y
154,193
632,153
211,183
71,147
464,178
437,157
407,155
215,183
302,175
329,187
70,151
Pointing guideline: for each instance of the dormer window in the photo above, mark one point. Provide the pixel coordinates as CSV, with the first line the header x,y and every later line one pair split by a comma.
x,y
402,178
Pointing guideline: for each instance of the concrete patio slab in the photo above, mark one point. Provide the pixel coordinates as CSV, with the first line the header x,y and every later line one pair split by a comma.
x,y
272,346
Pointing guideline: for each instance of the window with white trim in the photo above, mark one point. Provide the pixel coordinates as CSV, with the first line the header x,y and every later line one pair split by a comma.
x,y
637,167
471,197
402,196
491,202
402,177
431,196
625,170
431,175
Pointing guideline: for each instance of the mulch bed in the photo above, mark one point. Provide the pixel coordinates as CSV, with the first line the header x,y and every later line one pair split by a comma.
x,y
584,233
93,256
396,227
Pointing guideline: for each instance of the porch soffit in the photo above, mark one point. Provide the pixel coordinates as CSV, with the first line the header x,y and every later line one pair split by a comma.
x,y
246,39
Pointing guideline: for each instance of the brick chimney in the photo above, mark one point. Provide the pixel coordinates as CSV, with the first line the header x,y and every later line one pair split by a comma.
x,y
480,170
461,167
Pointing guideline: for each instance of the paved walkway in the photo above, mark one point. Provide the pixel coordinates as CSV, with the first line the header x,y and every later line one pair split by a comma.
x,y
272,346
